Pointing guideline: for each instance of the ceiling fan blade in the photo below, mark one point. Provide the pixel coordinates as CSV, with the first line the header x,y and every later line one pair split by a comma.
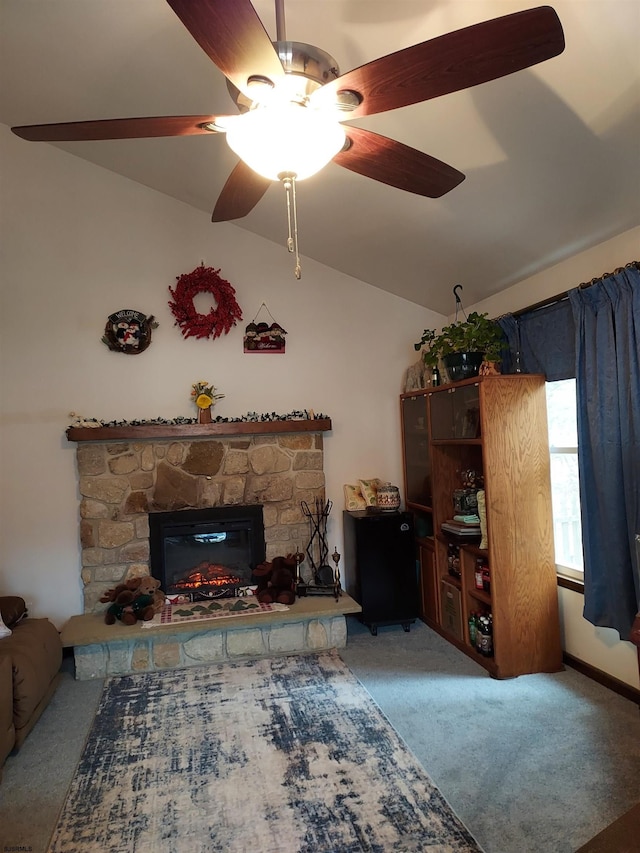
x,y
243,190
116,128
233,37
393,163
455,61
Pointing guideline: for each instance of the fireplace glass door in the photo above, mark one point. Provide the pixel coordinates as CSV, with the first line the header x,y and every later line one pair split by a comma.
x,y
208,553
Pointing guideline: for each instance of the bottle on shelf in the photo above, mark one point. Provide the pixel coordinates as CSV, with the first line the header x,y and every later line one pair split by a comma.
x,y
486,578
479,633
485,630
473,628
478,579
435,376
453,561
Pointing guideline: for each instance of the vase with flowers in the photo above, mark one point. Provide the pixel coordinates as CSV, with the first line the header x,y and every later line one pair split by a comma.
x,y
205,397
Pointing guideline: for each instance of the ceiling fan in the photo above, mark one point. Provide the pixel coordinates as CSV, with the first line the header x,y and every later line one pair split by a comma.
x,y
292,100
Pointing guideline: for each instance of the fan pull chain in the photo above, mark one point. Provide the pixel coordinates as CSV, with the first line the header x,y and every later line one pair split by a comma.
x,y
289,181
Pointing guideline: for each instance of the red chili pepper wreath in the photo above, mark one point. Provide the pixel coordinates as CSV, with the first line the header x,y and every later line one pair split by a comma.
x,y
219,319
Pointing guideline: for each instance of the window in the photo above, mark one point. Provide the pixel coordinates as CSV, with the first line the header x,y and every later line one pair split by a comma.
x,y
565,494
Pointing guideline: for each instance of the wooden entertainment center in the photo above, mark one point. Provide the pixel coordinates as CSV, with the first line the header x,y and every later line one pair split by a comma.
x,y
495,426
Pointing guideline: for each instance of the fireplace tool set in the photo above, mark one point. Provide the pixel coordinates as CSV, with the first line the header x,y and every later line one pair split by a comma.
x,y
325,580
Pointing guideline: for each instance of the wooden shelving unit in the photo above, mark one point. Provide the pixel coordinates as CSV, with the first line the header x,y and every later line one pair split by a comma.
x,y
495,425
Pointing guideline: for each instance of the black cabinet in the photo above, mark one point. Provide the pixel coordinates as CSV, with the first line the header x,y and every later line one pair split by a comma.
x,y
380,549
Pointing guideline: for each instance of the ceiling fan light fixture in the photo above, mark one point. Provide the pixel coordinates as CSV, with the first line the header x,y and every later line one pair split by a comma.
x,y
257,82
214,126
285,138
348,100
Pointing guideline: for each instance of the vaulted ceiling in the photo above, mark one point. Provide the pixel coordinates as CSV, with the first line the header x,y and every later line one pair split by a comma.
x,y
551,154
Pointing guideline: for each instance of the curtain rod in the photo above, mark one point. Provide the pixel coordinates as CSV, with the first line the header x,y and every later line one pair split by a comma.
x,y
561,296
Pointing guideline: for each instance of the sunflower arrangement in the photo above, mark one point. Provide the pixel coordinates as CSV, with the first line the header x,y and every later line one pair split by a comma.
x,y
204,395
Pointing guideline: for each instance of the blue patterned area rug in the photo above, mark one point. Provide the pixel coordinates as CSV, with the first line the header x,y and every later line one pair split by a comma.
x,y
280,755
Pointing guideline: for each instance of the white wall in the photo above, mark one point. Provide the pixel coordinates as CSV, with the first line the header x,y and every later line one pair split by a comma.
x,y
599,647
80,243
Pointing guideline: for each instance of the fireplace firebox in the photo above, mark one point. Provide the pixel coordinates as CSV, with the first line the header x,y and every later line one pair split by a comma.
x,y
206,553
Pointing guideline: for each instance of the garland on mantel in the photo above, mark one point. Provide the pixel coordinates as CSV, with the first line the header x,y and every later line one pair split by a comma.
x,y
250,417
219,319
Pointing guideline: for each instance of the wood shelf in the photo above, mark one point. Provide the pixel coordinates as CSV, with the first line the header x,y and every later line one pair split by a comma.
x,y
189,431
417,507
508,414
480,595
456,441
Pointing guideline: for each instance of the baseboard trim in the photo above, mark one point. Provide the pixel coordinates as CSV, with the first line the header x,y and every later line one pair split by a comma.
x,y
620,687
621,836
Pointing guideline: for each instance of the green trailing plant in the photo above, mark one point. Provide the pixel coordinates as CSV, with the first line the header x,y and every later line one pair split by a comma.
x,y
477,333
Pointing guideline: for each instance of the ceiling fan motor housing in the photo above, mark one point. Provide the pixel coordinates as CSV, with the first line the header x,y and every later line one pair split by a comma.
x,y
308,65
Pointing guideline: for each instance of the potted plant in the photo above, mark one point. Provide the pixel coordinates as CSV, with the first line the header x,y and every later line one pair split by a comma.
x,y
463,346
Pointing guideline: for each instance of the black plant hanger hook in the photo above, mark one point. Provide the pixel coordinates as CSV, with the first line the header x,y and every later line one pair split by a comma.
x,y
459,306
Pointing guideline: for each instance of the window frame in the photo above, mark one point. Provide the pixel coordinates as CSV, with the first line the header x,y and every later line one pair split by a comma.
x,y
568,576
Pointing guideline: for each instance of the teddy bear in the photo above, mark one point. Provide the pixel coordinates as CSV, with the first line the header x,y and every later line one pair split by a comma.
x,y
276,580
136,599
151,586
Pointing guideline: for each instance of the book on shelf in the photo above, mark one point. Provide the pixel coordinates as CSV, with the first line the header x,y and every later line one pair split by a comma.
x,y
459,528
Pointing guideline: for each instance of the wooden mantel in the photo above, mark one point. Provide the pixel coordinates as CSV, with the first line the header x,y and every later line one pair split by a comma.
x,y
146,432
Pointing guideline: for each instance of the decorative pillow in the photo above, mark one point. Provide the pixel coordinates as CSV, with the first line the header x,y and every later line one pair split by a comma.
x,y
4,631
12,610
369,489
353,500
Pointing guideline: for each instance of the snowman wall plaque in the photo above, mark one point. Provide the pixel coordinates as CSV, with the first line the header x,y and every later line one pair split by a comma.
x,y
128,331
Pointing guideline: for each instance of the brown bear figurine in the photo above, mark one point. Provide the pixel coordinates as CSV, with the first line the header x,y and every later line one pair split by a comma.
x,y
138,599
276,581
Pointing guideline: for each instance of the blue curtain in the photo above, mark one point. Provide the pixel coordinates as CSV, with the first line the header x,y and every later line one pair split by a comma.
x,y
511,357
541,341
607,370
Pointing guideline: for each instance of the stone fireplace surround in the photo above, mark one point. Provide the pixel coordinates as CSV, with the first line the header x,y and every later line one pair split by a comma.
x,y
126,473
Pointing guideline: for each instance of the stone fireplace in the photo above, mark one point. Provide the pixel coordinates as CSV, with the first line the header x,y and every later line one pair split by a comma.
x,y
126,474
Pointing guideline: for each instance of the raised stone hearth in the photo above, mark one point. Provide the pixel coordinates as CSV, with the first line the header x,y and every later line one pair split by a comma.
x,y
311,624
125,473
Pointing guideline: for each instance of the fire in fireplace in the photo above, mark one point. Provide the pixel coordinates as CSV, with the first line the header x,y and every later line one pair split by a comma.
x,y
206,553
